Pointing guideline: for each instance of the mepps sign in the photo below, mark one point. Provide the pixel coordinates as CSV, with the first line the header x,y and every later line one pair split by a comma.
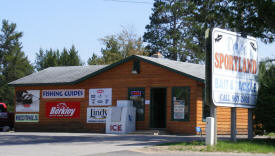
x,y
234,69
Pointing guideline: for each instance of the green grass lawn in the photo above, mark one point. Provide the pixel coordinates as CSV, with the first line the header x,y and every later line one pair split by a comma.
x,y
255,146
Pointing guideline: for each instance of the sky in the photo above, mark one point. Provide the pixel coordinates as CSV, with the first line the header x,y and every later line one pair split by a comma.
x,y
62,23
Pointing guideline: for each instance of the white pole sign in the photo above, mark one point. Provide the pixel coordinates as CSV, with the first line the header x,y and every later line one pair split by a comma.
x,y
234,69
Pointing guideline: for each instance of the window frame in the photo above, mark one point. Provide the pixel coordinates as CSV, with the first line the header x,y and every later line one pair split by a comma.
x,y
138,89
136,66
172,104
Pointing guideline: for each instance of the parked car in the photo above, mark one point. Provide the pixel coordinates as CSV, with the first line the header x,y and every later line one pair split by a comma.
x,y
6,118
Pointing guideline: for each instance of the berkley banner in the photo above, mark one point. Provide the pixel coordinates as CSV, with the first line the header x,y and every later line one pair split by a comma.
x,y
97,114
62,109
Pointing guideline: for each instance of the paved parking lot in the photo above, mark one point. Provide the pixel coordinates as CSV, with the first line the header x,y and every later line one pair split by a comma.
x,y
93,144
77,144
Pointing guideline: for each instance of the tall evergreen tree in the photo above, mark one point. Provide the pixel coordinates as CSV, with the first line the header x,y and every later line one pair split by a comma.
x,y
95,60
51,58
177,27
69,57
165,33
47,58
13,62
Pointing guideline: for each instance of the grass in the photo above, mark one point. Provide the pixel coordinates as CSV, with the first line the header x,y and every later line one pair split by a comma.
x,y
255,146
185,146
272,134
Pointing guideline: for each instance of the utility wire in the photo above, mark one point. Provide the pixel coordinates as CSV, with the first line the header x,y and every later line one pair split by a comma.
x,y
128,1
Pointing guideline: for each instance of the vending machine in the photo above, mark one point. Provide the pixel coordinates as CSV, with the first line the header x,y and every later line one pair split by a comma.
x,y
122,118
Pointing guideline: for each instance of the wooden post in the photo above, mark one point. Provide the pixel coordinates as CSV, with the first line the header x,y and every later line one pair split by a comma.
x,y
208,79
250,124
233,124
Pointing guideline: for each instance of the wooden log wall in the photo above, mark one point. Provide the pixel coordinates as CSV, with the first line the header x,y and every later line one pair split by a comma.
x,y
120,79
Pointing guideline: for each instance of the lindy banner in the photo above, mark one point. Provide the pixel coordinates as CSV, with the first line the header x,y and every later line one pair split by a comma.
x,y
26,118
97,114
62,109
63,93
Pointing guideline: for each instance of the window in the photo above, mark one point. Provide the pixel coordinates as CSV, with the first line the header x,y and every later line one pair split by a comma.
x,y
138,97
135,69
180,103
205,107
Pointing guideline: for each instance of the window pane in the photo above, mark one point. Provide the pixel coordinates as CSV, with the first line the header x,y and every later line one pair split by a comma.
x,y
181,103
138,97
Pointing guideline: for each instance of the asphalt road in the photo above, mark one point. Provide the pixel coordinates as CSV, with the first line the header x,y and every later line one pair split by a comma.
x,y
77,144
87,144
133,153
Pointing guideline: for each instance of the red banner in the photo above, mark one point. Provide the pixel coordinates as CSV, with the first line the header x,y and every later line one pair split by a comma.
x,y
62,109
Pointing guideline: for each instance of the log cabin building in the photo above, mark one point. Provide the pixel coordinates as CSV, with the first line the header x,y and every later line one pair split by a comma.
x,y
168,95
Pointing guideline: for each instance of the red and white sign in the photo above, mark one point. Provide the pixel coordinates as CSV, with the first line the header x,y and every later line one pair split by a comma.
x,y
115,127
62,109
100,91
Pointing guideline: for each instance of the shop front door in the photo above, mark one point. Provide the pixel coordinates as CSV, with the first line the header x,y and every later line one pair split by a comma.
x,y
158,108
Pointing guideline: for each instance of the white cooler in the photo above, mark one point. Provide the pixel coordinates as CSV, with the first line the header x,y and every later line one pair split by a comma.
x,y
121,119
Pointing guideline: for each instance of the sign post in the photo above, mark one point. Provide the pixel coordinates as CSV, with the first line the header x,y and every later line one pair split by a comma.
x,y
234,64
208,80
250,124
233,124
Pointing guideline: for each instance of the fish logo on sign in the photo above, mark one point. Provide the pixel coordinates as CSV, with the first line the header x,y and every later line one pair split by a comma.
x,y
219,37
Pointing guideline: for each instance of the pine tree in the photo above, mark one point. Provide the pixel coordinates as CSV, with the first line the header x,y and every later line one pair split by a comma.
x,y
74,58
13,62
177,27
64,57
52,58
95,60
